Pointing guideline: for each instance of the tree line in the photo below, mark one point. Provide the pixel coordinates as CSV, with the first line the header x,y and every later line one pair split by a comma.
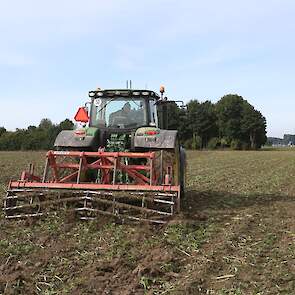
x,y
231,122
40,137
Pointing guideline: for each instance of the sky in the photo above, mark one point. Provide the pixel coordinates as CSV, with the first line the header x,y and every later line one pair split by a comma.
x,y
53,52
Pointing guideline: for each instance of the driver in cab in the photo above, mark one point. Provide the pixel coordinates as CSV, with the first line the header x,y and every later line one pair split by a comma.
x,y
121,117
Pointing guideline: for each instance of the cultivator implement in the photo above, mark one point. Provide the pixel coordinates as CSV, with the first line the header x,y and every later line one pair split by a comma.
x,y
128,185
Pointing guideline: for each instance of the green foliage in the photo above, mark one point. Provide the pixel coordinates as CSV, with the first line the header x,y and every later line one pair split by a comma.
x,y
229,113
45,124
188,144
239,123
231,122
213,143
146,283
224,142
2,130
33,138
196,142
193,143
236,144
253,126
173,112
187,237
202,120
66,125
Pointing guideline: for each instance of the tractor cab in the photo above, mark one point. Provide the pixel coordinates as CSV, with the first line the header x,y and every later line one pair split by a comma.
x,y
123,109
120,120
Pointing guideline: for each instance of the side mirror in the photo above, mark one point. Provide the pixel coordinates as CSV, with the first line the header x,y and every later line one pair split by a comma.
x,y
82,115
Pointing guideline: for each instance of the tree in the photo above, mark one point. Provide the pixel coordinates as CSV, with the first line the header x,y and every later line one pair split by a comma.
x,y
183,128
173,115
33,138
66,125
229,110
2,131
239,123
45,124
32,128
253,126
231,121
202,120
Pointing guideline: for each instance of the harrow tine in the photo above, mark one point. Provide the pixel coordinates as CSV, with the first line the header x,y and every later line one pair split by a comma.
x,y
23,203
122,184
24,215
121,216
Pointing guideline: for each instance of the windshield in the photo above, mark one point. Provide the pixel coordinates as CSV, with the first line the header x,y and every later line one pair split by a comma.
x,y
119,112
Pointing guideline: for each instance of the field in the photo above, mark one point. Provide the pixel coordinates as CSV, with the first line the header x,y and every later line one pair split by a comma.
x,y
235,235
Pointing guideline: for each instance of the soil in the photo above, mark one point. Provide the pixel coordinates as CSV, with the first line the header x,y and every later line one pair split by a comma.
x,y
235,235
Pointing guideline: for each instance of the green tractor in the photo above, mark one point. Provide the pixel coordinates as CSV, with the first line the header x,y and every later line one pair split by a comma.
x,y
122,160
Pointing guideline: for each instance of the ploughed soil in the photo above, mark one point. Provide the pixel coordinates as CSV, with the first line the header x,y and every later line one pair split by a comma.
x,y
235,235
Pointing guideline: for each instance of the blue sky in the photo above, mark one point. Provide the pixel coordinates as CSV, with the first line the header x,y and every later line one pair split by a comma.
x,y
53,52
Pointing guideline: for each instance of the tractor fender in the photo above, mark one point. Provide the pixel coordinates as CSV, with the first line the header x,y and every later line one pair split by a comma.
x,y
68,138
164,139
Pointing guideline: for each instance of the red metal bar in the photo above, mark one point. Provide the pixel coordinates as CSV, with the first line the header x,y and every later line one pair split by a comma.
x,y
82,155
95,164
98,166
52,164
105,172
91,166
67,166
95,186
69,177
139,178
106,162
137,167
28,176
103,154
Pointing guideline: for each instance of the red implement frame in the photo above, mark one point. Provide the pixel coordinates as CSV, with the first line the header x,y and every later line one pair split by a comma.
x,y
106,162
61,175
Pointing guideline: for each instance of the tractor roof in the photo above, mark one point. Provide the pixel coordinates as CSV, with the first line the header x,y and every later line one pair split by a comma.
x,y
123,93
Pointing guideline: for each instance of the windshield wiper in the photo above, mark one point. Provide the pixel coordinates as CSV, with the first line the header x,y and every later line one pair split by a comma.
x,y
107,104
135,102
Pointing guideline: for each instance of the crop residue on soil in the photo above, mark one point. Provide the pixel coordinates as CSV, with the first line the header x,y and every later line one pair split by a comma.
x,y
235,235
